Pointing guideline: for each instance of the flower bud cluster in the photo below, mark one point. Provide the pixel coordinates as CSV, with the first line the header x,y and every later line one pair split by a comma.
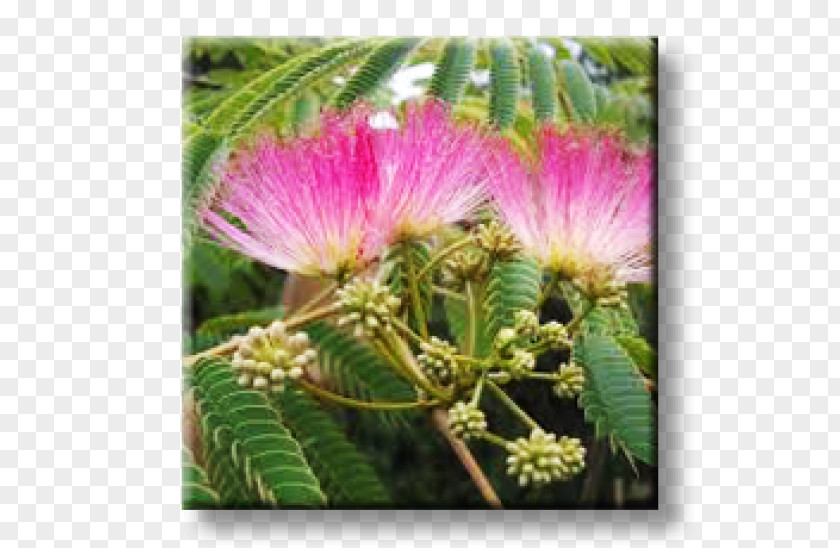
x,y
438,360
497,240
264,358
542,458
367,306
466,420
525,322
554,333
465,265
505,341
570,381
521,363
603,289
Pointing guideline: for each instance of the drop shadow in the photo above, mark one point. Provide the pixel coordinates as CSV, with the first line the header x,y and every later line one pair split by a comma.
x,y
489,524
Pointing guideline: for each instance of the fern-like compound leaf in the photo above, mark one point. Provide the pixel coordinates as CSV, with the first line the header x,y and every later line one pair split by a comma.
x,y
614,397
236,114
345,473
357,371
404,261
543,85
380,65
579,91
513,285
245,433
504,83
197,492
203,151
452,70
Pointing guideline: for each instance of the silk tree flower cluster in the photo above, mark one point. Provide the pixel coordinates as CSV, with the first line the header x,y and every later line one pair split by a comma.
x,y
331,204
584,209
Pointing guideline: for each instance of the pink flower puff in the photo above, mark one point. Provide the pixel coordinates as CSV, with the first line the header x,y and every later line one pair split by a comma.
x,y
585,207
331,203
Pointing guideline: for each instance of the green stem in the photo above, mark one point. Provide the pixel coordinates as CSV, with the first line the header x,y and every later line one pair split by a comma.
x,y
493,438
477,392
414,292
505,399
573,325
406,358
405,330
448,293
542,376
441,255
472,320
359,404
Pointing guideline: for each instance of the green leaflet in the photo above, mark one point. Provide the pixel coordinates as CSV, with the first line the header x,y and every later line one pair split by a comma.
x,y
232,324
579,91
202,151
240,110
398,266
633,54
456,316
614,397
543,86
597,49
504,83
196,491
600,320
304,111
453,70
640,352
244,433
512,285
345,473
358,371
382,62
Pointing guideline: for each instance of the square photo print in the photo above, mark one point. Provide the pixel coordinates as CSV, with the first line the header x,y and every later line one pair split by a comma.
x,y
419,272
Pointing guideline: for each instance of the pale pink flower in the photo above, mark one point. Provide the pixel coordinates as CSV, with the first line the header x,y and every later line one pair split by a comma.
x,y
302,205
584,208
432,171
330,204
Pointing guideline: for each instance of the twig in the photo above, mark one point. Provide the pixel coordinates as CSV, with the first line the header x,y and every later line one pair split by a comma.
x,y
441,255
359,404
330,287
229,347
512,405
440,420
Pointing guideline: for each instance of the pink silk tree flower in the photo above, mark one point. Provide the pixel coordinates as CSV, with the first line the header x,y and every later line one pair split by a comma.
x,y
584,210
432,171
302,205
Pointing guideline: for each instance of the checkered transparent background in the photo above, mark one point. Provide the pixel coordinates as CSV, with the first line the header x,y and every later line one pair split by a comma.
x,y
90,265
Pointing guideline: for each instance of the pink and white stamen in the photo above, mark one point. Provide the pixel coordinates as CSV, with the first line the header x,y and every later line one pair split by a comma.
x,y
584,209
332,203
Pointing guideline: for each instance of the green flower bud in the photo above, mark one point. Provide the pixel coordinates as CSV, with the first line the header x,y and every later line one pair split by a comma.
x,y
438,360
554,333
465,265
466,420
368,307
570,381
264,358
542,458
497,240
526,323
